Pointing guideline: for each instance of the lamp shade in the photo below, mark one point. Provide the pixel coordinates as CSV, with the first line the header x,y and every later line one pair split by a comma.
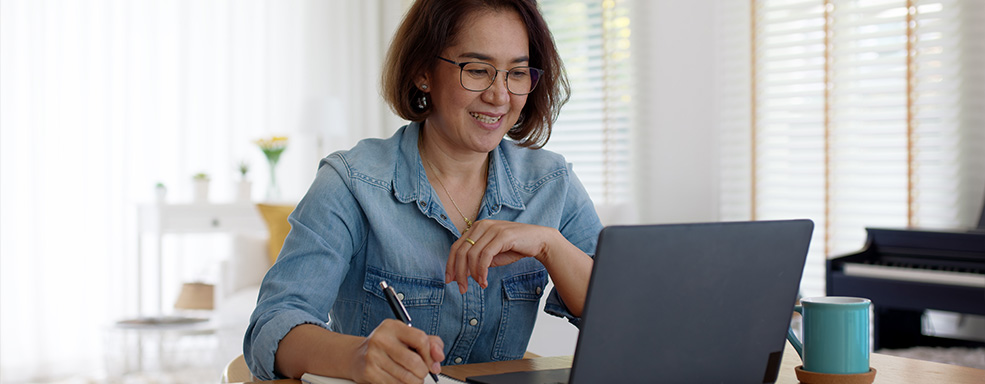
x,y
195,296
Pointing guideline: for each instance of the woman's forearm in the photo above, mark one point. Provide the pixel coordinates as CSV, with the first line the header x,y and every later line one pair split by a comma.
x,y
570,270
308,348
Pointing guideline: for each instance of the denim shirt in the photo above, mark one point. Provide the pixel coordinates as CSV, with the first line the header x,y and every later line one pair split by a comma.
x,y
371,215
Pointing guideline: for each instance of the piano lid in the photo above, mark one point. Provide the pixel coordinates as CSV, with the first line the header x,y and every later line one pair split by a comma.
x,y
920,242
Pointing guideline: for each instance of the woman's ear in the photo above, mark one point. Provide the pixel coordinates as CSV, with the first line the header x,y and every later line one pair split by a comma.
x,y
423,83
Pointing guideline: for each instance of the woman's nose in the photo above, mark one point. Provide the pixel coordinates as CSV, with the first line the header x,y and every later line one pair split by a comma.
x,y
497,93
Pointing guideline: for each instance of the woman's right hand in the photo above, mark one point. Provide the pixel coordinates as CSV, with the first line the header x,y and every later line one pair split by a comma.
x,y
397,353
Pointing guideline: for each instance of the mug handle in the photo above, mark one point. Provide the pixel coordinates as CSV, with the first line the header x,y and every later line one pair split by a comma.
x,y
797,345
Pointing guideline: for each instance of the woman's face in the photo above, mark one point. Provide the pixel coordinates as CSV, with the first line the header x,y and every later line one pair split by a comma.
x,y
477,121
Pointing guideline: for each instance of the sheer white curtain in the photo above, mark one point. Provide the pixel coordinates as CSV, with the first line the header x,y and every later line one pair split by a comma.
x,y
101,99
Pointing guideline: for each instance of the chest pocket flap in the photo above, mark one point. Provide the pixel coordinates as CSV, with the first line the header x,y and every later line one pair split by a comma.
x,y
413,291
526,286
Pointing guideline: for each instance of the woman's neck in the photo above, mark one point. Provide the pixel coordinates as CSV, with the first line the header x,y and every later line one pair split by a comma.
x,y
453,166
460,181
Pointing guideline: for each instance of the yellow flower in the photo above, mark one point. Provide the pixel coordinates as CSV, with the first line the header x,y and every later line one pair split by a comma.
x,y
272,147
272,143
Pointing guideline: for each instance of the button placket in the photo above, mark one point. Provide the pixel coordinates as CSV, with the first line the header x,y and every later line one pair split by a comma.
x,y
473,307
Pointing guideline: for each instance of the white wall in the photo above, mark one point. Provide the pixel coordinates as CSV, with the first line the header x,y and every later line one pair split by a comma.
x,y
676,148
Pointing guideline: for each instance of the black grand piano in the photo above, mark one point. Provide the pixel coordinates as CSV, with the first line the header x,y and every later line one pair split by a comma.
x,y
907,271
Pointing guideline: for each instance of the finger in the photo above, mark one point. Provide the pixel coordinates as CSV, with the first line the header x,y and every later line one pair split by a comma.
x,y
475,255
481,256
395,372
456,256
379,365
452,260
409,367
397,355
416,356
480,270
461,270
437,353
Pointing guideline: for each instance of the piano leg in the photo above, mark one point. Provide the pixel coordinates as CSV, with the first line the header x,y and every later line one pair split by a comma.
x,y
901,328
896,328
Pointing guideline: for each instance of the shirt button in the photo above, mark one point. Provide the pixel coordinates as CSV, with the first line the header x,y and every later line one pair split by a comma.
x,y
539,290
473,322
443,217
458,360
400,296
423,204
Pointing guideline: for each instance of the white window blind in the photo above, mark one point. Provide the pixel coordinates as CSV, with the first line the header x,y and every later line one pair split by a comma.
x,y
593,129
860,114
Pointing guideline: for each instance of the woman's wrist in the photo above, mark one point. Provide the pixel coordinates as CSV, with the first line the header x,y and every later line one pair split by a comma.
x,y
555,241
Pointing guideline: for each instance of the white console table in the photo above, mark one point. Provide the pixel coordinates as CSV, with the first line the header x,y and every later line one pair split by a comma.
x,y
161,219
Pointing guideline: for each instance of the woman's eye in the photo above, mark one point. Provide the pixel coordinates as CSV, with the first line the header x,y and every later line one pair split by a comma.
x,y
519,74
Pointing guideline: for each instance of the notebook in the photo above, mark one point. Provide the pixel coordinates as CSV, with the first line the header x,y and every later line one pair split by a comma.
x,y
692,303
309,378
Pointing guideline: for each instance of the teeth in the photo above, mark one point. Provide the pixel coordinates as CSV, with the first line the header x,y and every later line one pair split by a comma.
x,y
485,119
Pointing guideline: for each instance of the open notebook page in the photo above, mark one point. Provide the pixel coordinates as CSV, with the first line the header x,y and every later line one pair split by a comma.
x,y
316,379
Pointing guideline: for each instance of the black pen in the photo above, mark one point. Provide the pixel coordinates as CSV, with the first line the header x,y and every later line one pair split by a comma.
x,y
400,311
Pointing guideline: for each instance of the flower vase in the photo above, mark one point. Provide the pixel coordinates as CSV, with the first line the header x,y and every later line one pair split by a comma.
x,y
273,190
272,149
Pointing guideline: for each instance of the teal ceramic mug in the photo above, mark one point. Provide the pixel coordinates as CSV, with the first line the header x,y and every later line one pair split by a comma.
x,y
836,334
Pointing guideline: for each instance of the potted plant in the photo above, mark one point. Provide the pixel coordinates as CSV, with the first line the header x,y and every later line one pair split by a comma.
x,y
160,191
201,182
245,187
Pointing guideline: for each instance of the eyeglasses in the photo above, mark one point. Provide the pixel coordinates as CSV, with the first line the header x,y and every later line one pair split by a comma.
x,y
478,76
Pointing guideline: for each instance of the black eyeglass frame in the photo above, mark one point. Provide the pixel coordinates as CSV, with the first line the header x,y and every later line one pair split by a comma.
x,y
461,72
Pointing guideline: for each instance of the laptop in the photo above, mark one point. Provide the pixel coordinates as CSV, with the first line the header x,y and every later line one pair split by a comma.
x,y
688,303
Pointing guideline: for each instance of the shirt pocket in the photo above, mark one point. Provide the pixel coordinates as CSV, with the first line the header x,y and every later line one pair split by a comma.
x,y
421,296
521,298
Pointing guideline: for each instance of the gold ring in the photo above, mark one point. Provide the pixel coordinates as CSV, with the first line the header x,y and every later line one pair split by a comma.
x,y
470,241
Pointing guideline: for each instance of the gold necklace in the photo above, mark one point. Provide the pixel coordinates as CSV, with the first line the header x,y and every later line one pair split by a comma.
x,y
468,223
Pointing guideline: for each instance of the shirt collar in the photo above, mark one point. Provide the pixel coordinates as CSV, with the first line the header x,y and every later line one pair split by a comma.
x,y
410,181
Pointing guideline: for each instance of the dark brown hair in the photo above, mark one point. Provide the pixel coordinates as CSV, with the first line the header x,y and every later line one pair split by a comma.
x,y
430,26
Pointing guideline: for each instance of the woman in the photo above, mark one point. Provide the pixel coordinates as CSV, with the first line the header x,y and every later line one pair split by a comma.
x,y
446,199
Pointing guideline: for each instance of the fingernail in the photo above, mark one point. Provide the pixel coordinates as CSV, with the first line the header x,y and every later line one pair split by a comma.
x,y
436,368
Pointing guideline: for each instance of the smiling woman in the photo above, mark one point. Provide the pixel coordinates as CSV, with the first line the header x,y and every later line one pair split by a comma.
x,y
102,99
522,214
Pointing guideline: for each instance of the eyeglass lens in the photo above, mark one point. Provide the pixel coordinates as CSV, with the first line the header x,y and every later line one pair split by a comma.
x,y
478,77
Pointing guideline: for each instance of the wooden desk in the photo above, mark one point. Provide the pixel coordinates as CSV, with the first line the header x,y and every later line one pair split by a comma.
x,y
891,369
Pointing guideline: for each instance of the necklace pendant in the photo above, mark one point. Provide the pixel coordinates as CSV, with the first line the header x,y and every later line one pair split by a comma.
x,y
468,224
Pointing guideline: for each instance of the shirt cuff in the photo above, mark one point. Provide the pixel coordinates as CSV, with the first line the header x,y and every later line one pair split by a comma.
x,y
555,307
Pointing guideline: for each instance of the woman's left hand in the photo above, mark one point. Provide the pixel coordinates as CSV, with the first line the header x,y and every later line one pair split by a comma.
x,y
496,243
